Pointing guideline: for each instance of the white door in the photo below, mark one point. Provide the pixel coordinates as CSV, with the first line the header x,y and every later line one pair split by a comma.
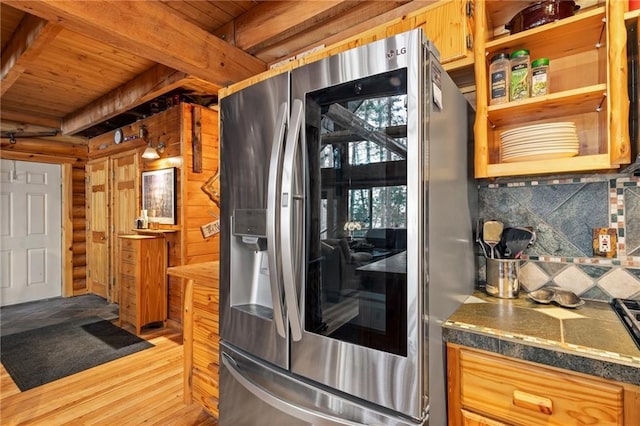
x,y
30,231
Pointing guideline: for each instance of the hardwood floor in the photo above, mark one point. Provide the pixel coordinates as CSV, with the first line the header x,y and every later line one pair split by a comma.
x,y
142,388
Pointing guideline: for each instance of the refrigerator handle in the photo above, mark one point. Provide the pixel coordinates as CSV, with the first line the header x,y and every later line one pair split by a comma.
x,y
273,220
290,222
297,411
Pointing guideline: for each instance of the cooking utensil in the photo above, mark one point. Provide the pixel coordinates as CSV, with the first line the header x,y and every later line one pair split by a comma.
x,y
491,234
541,13
514,241
479,238
533,240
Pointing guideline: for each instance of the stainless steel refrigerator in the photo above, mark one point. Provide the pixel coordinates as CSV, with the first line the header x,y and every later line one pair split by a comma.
x,y
347,209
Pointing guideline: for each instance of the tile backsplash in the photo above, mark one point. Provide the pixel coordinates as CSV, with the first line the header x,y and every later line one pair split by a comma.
x,y
563,212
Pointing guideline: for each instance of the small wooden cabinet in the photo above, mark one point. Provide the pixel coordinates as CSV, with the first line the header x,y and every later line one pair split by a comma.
x,y
142,280
588,79
489,389
200,333
450,25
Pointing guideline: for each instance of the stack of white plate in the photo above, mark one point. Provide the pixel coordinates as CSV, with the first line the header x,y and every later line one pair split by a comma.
x,y
539,142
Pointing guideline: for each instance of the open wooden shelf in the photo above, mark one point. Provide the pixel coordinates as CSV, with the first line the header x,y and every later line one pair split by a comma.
x,y
569,102
587,56
557,39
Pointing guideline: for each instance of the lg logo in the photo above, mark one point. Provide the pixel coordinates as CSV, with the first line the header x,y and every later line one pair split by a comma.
x,y
396,52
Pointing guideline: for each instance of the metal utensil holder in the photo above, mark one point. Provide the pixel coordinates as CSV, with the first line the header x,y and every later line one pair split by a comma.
x,y
503,278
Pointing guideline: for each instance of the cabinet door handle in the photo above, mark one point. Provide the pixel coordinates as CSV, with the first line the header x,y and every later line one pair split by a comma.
x,y
532,402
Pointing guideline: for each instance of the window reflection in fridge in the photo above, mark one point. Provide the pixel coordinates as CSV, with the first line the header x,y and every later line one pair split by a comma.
x,y
356,212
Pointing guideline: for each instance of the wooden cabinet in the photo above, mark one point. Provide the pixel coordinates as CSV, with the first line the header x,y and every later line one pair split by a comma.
x,y
200,333
588,86
142,280
450,24
112,206
473,419
489,389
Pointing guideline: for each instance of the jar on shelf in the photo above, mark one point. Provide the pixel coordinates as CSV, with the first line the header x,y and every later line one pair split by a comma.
x,y
540,77
520,78
499,79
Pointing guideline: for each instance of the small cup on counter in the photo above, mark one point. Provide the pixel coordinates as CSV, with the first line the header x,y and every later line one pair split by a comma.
x,y
503,278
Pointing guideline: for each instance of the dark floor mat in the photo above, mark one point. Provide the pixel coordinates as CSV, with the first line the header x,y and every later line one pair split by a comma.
x,y
42,355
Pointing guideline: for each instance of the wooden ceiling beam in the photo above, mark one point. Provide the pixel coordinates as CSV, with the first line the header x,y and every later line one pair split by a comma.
x,y
151,30
357,20
29,118
272,21
26,43
53,147
154,82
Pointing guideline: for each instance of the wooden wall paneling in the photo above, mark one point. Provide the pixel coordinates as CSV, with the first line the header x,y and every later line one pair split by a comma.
x,y
188,245
163,126
196,248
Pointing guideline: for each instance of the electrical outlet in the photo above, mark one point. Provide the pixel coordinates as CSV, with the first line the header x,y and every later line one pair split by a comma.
x,y
604,242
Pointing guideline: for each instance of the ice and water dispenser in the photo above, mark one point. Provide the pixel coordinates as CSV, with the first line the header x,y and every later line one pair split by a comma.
x,y
250,285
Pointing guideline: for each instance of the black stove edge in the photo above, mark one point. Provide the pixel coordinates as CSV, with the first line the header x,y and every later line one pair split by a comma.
x,y
625,314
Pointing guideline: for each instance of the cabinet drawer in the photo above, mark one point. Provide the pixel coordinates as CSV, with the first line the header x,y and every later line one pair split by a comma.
x,y
128,269
473,419
128,284
128,256
128,244
524,394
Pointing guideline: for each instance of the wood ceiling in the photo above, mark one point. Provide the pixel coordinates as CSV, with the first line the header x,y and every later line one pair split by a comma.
x,y
69,67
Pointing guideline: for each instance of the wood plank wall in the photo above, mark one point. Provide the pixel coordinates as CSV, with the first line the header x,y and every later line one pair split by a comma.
x,y
200,210
199,124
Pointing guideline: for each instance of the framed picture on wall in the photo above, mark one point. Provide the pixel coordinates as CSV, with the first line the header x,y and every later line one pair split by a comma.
x,y
159,195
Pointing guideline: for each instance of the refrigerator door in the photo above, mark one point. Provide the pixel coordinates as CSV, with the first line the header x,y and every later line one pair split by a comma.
x,y
257,393
449,214
362,298
253,125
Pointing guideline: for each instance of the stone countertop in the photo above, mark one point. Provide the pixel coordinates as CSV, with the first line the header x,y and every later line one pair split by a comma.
x,y
589,339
